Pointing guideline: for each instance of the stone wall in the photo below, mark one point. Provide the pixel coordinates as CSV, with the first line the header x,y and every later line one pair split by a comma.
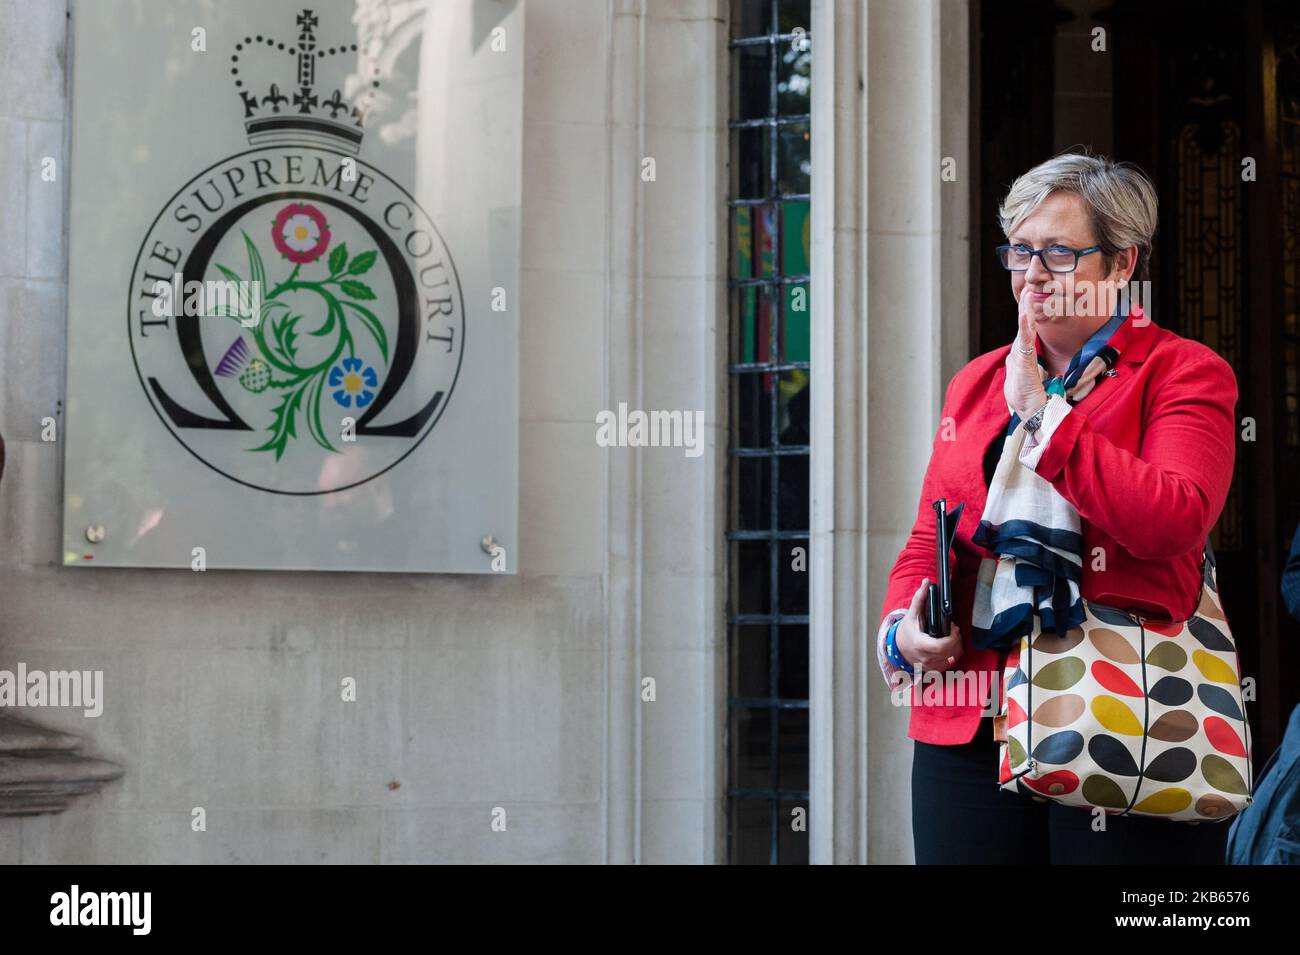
x,y
222,688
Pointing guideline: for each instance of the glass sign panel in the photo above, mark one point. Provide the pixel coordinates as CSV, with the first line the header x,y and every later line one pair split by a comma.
x,y
293,285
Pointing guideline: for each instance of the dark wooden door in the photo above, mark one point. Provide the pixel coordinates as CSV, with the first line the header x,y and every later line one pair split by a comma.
x,y
1204,108
1206,99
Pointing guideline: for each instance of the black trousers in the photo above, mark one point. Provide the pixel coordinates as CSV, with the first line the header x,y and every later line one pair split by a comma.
x,y
961,817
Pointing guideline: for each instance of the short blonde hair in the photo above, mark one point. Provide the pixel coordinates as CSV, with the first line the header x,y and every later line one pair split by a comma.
x,y
1120,199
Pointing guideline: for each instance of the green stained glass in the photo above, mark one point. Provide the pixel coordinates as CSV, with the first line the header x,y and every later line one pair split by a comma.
x,y
795,239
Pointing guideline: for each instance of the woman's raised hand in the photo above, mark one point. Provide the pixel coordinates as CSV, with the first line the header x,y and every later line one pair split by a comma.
x,y
1024,390
917,646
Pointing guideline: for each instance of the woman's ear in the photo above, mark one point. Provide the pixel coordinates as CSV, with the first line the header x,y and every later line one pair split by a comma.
x,y
1125,263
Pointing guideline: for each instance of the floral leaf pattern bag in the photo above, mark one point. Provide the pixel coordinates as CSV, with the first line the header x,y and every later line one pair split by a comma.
x,y
1129,715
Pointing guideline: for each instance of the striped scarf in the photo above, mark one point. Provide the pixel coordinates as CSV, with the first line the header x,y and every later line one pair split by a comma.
x,y
1034,532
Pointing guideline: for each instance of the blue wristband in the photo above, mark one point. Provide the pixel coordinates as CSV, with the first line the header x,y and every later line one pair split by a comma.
x,y
891,648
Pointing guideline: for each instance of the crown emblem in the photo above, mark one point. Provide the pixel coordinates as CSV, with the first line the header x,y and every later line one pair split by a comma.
x,y
299,112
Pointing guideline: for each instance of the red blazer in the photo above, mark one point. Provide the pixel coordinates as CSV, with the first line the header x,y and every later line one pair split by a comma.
x,y
1146,459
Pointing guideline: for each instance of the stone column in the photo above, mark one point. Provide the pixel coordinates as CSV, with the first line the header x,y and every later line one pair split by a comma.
x,y
665,321
890,296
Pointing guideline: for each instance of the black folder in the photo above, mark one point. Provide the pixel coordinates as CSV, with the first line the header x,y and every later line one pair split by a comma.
x,y
939,606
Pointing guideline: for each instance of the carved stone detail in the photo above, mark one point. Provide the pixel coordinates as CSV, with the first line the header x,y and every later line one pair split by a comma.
x,y
40,770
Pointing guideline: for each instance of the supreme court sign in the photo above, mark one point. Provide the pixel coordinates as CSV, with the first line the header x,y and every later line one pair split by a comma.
x,y
293,285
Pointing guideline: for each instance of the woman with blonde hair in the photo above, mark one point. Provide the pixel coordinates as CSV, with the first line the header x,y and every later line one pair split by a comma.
x,y
1120,435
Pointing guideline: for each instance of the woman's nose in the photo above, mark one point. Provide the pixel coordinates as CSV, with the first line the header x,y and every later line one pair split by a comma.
x,y
1037,273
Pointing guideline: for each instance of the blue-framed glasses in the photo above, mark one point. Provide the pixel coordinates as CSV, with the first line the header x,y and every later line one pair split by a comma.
x,y
1055,258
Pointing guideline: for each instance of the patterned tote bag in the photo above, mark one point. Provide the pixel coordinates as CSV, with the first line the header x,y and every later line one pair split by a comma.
x,y
1130,716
